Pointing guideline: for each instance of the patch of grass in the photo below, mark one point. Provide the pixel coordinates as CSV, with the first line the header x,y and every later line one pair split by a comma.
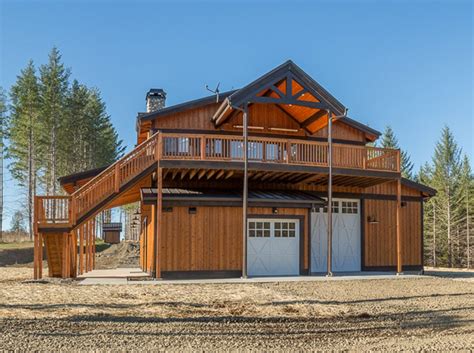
x,y
22,245
101,246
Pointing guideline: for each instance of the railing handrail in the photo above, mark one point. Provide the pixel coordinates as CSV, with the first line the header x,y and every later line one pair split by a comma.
x,y
128,166
108,169
273,139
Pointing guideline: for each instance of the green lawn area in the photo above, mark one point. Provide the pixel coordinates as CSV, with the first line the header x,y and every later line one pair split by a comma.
x,y
22,245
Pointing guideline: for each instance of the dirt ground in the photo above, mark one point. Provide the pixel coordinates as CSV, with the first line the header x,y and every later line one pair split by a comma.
x,y
124,254
395,314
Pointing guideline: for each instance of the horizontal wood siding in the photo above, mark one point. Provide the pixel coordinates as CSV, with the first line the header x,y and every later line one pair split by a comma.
x,y
380,237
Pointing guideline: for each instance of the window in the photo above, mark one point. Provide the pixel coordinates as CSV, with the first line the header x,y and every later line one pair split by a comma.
x,y
335,207
349,207
183,145
259,229
272,152
285,229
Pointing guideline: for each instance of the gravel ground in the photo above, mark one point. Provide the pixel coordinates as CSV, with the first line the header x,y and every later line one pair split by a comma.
x,y
425,313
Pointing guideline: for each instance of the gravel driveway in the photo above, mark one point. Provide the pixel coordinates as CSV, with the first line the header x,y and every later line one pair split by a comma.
x,y
401,314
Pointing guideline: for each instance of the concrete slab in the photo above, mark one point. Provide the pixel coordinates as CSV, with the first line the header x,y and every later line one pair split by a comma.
x,y
115,273
136,276
103,281
276,279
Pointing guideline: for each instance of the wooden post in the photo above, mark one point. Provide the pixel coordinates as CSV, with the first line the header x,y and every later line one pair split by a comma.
x,y
329,207
398,224
245,191
203,147
74,242
64,257
40,255
159,221
35,256
93,243
81,249
87,245
117,177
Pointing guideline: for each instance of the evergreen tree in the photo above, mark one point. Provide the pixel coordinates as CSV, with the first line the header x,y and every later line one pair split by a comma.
x,y
76,130
465,210
446,180
105,146
3,124
25,151
53,89
389,140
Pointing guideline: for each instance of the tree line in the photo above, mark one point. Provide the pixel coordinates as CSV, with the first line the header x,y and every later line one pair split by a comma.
x,y
54,127
448,216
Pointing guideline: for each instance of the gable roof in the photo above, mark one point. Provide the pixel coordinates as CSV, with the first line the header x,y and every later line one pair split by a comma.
x,y
279,73
313,119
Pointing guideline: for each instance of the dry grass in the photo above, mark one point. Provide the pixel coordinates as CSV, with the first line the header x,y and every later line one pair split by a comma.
x,y
413,314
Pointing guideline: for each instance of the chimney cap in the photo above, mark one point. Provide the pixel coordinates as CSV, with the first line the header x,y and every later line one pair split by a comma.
x,y
156,92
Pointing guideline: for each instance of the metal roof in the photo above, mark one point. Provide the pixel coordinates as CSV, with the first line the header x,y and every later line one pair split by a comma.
x,y
261,196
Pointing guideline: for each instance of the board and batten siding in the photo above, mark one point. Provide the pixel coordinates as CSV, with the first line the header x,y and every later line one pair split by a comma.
x,y
260,115
380,239
211,239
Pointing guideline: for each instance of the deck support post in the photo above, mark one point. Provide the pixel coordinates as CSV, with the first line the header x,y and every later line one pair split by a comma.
x,y
398,225
35,256
40,255
81,249
329,205
159,209
245,192
93,242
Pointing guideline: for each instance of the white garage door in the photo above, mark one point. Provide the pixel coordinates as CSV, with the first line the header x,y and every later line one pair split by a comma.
x,y
346,255
273,247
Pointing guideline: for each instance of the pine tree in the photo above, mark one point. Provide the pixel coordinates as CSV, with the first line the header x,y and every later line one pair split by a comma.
x,y
76,131
3,124
25,151
53,89
446,180
389,140
465,211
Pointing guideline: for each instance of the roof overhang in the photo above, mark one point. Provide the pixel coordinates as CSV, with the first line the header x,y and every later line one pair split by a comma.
x,y
426,190
272,198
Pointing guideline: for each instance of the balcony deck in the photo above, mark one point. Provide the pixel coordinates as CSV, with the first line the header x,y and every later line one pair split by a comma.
x,y
213,152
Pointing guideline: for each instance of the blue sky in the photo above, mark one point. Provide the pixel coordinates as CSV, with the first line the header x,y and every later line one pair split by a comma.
x,y
403,63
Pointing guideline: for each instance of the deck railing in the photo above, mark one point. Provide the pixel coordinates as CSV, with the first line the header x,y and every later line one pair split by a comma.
x,y
54,211
272,150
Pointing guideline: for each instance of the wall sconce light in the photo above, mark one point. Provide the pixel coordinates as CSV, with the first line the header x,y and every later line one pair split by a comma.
x,y
275,210
372,220
404,204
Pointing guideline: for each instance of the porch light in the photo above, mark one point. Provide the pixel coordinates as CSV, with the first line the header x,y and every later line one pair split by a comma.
x,y
372,220
275,210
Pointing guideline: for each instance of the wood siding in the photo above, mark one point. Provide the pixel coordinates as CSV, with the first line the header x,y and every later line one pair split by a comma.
x,y
210,239
262,115
380,235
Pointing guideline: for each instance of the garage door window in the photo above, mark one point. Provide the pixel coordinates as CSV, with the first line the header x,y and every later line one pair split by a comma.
x,y
285,229
259,229
335,207
349,207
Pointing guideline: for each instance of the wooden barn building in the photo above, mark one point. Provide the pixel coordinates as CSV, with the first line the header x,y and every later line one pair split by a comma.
x,y
239,183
